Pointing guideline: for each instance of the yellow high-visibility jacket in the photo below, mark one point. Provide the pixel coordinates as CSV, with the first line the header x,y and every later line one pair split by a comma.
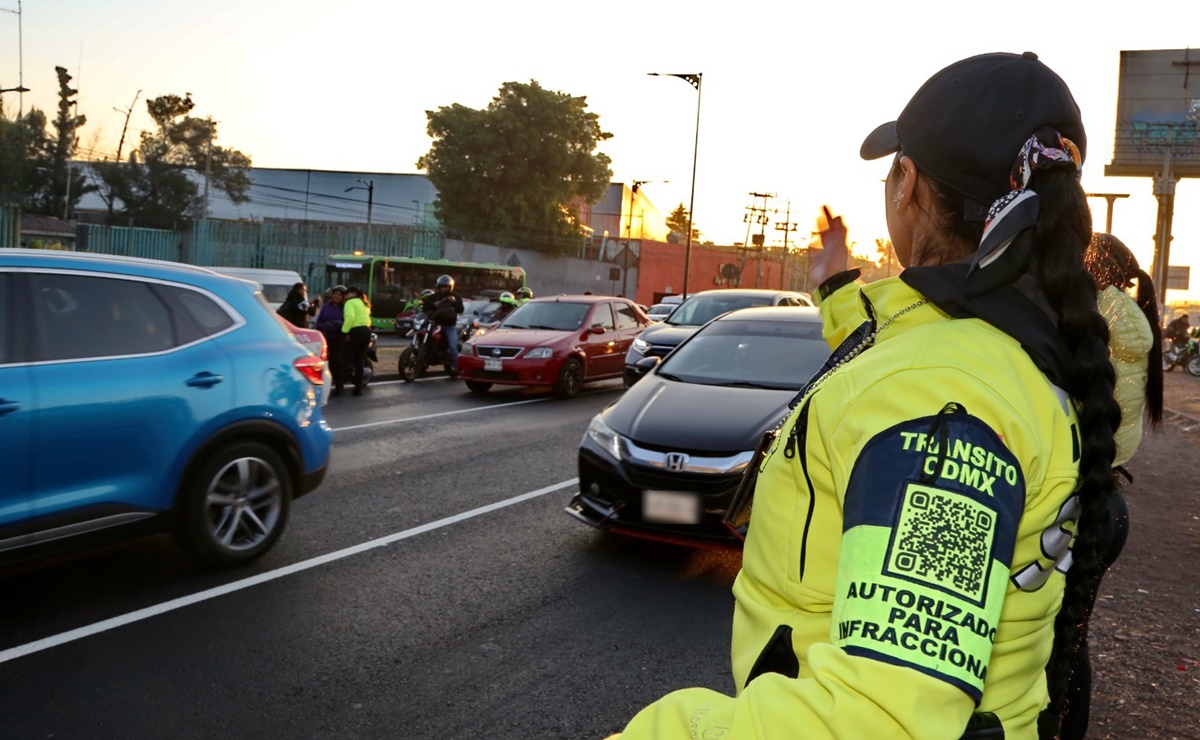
x,y
905,556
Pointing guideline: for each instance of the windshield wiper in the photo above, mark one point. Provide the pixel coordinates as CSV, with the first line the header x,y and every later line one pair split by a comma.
x,y
742,384
541,326
669,376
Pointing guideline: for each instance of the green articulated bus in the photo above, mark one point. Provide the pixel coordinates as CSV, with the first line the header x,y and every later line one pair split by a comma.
x,y
391,282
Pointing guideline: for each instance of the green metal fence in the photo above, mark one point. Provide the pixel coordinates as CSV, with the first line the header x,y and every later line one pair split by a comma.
x,y
150,243
302,246
282,245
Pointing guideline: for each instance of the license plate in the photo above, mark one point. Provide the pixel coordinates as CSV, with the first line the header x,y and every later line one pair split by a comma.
x,y
493,363
671,507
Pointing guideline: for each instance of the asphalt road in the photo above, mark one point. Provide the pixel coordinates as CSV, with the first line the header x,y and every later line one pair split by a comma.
x,y
431,588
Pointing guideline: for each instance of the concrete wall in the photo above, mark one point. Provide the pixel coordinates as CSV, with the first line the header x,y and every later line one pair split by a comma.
x,y
548,275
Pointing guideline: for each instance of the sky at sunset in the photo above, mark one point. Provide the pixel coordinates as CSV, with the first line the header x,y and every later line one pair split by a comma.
x,y
790,89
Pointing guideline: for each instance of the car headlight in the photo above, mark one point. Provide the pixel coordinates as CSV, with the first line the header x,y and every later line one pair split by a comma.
x,y
603,435
539,353
640,346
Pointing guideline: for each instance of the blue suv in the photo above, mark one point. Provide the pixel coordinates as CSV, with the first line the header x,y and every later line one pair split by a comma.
x,y
139,396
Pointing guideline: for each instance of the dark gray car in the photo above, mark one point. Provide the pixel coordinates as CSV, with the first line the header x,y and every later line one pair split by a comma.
x,y
659,339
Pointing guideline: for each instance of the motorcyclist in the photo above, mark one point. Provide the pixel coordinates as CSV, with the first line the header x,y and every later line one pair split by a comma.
x,y
1177,330
443,307
508,304
524,295
414,303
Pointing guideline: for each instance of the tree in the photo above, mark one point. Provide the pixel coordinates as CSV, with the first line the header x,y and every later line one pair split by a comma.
x,y
34,166
22,144
159,186
509,174
678,222
64,185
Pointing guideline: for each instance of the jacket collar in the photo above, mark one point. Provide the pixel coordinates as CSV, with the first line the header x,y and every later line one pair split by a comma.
x,y
1008,307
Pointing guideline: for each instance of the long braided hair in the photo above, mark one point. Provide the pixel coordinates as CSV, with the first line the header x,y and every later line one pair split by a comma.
x,y
1062,234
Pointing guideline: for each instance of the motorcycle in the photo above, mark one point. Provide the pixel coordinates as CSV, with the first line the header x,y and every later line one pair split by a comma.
x,y
1182,353
428,347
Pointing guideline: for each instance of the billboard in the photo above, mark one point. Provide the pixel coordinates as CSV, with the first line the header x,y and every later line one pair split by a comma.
x,y
1158,114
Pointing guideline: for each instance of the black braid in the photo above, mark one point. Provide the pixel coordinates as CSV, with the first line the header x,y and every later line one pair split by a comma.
x,y
1062,234
1148,301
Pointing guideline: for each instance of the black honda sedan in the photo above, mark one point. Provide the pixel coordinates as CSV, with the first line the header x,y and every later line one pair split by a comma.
x,y
664,461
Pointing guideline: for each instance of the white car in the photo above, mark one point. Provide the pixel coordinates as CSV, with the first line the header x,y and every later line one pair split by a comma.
x,y
660,311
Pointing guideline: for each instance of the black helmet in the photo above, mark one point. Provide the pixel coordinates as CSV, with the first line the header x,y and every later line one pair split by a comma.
x,y
446,280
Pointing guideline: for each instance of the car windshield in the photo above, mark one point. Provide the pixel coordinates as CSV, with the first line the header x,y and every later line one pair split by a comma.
x,y
661,309
549,315
756,354
704,308
474,307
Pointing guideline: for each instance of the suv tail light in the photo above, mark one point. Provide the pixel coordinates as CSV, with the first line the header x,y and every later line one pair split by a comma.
x,y
312,368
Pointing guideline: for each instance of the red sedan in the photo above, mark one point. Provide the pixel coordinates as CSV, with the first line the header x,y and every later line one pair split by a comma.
x,y
560,342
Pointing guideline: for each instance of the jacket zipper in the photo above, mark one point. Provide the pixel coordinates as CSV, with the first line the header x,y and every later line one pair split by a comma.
x,y
797,443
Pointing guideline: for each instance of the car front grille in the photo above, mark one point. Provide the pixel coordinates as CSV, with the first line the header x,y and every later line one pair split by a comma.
x,y
502,352
708,485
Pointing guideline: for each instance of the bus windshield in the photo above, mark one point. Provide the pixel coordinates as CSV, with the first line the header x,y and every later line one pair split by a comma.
x,y
392,282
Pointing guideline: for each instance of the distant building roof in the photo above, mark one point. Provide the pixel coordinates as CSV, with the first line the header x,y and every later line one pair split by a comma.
x,y
46,225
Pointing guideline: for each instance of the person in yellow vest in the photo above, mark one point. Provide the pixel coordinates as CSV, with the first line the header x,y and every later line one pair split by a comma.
x,y
912,518
357,328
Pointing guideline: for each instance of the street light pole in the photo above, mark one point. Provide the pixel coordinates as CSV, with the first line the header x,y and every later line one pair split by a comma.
x,y
694,80
20,89
370,188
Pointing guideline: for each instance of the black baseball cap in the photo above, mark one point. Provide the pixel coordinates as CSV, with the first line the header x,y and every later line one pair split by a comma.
x,y
967,123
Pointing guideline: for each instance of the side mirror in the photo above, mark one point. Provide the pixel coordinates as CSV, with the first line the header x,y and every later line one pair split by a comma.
x,y
646,364
596,329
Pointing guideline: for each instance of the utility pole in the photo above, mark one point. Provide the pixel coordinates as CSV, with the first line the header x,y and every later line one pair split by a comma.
x,y
20,60
208,165
1111,198
633,191
786,227
1164,191
756,215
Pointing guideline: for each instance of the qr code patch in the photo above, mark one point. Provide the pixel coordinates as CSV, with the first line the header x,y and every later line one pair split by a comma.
x,y
943,539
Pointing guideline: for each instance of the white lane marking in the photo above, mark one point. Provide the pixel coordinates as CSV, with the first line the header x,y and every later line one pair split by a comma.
x,y
442,413
442,378
46,643
465,411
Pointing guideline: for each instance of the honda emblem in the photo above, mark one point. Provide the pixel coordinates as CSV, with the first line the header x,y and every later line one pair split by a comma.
x,y
676,461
